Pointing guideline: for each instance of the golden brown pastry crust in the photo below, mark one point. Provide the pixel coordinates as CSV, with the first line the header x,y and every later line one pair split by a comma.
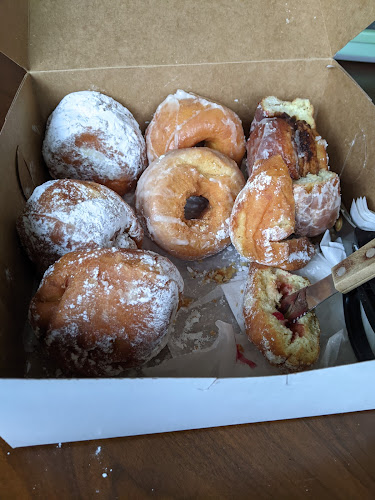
x,y
294,137
300,146
164,188
263,219
290,346
99,312
185,119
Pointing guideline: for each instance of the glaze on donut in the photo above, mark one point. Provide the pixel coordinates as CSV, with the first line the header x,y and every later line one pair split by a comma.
x,y
90,136
165,187
184,120
288,129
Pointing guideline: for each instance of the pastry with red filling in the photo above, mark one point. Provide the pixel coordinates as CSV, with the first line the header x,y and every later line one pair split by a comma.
x,y
292,346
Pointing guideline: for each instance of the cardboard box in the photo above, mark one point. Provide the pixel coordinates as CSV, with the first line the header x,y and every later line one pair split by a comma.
x,y
139,52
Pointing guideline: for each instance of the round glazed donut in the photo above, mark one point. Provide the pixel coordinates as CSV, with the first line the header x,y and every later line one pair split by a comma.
x,y
165,187
263,219
184,120
90,136
66,214
293,346
101,311
317,200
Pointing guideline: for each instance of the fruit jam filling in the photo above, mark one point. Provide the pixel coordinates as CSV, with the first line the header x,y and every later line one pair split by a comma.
x,y
296,328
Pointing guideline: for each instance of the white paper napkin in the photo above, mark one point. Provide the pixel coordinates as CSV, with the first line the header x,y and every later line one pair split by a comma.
x,y
362,216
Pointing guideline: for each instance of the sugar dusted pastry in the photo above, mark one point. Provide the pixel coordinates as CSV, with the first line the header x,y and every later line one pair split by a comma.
x,y
66,214
102,311
262,223
92,137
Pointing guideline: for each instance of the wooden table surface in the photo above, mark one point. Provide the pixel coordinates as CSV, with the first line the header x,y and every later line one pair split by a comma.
x,y
322,457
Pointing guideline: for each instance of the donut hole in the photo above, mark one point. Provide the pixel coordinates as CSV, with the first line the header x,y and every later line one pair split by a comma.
x,y
195,207
200,144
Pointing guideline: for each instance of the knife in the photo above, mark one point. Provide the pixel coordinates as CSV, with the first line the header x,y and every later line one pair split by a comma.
x,y
350,273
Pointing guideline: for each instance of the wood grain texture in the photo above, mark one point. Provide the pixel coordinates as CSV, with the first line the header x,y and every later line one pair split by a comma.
x,y
322,457
356,269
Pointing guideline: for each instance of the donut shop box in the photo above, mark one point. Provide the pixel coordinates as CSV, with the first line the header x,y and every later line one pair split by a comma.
x,y
138,53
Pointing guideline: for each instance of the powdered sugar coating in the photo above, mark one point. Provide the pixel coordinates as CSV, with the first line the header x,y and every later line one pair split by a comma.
x,y
90,136
184,119
101,311
263,219
65,215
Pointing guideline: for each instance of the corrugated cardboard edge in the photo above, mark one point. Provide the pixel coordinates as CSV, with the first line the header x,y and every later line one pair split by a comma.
x,y
43,411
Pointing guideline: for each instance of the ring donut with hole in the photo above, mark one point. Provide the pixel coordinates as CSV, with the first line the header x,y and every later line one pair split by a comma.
x,y
162,204
184,120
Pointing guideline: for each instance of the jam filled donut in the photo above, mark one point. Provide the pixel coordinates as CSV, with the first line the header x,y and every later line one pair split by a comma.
x,y
166,185
288,129
90,136
262,223
99,312
66,214
292,346
184,120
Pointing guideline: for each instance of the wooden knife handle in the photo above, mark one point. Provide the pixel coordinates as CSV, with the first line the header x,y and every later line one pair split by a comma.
x,y
356,269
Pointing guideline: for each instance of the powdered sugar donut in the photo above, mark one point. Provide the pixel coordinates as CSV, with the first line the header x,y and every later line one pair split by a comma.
x,y
101,311
66,214
90,136
168,183
185,119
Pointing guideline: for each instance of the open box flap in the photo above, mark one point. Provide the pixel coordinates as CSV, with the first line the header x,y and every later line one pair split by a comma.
x,y
349,117
14,26
174,32
345,19
125,33
118,33
20,154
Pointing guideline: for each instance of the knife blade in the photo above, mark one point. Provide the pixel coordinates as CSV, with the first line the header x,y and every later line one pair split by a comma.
x,y
298,304
350,273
